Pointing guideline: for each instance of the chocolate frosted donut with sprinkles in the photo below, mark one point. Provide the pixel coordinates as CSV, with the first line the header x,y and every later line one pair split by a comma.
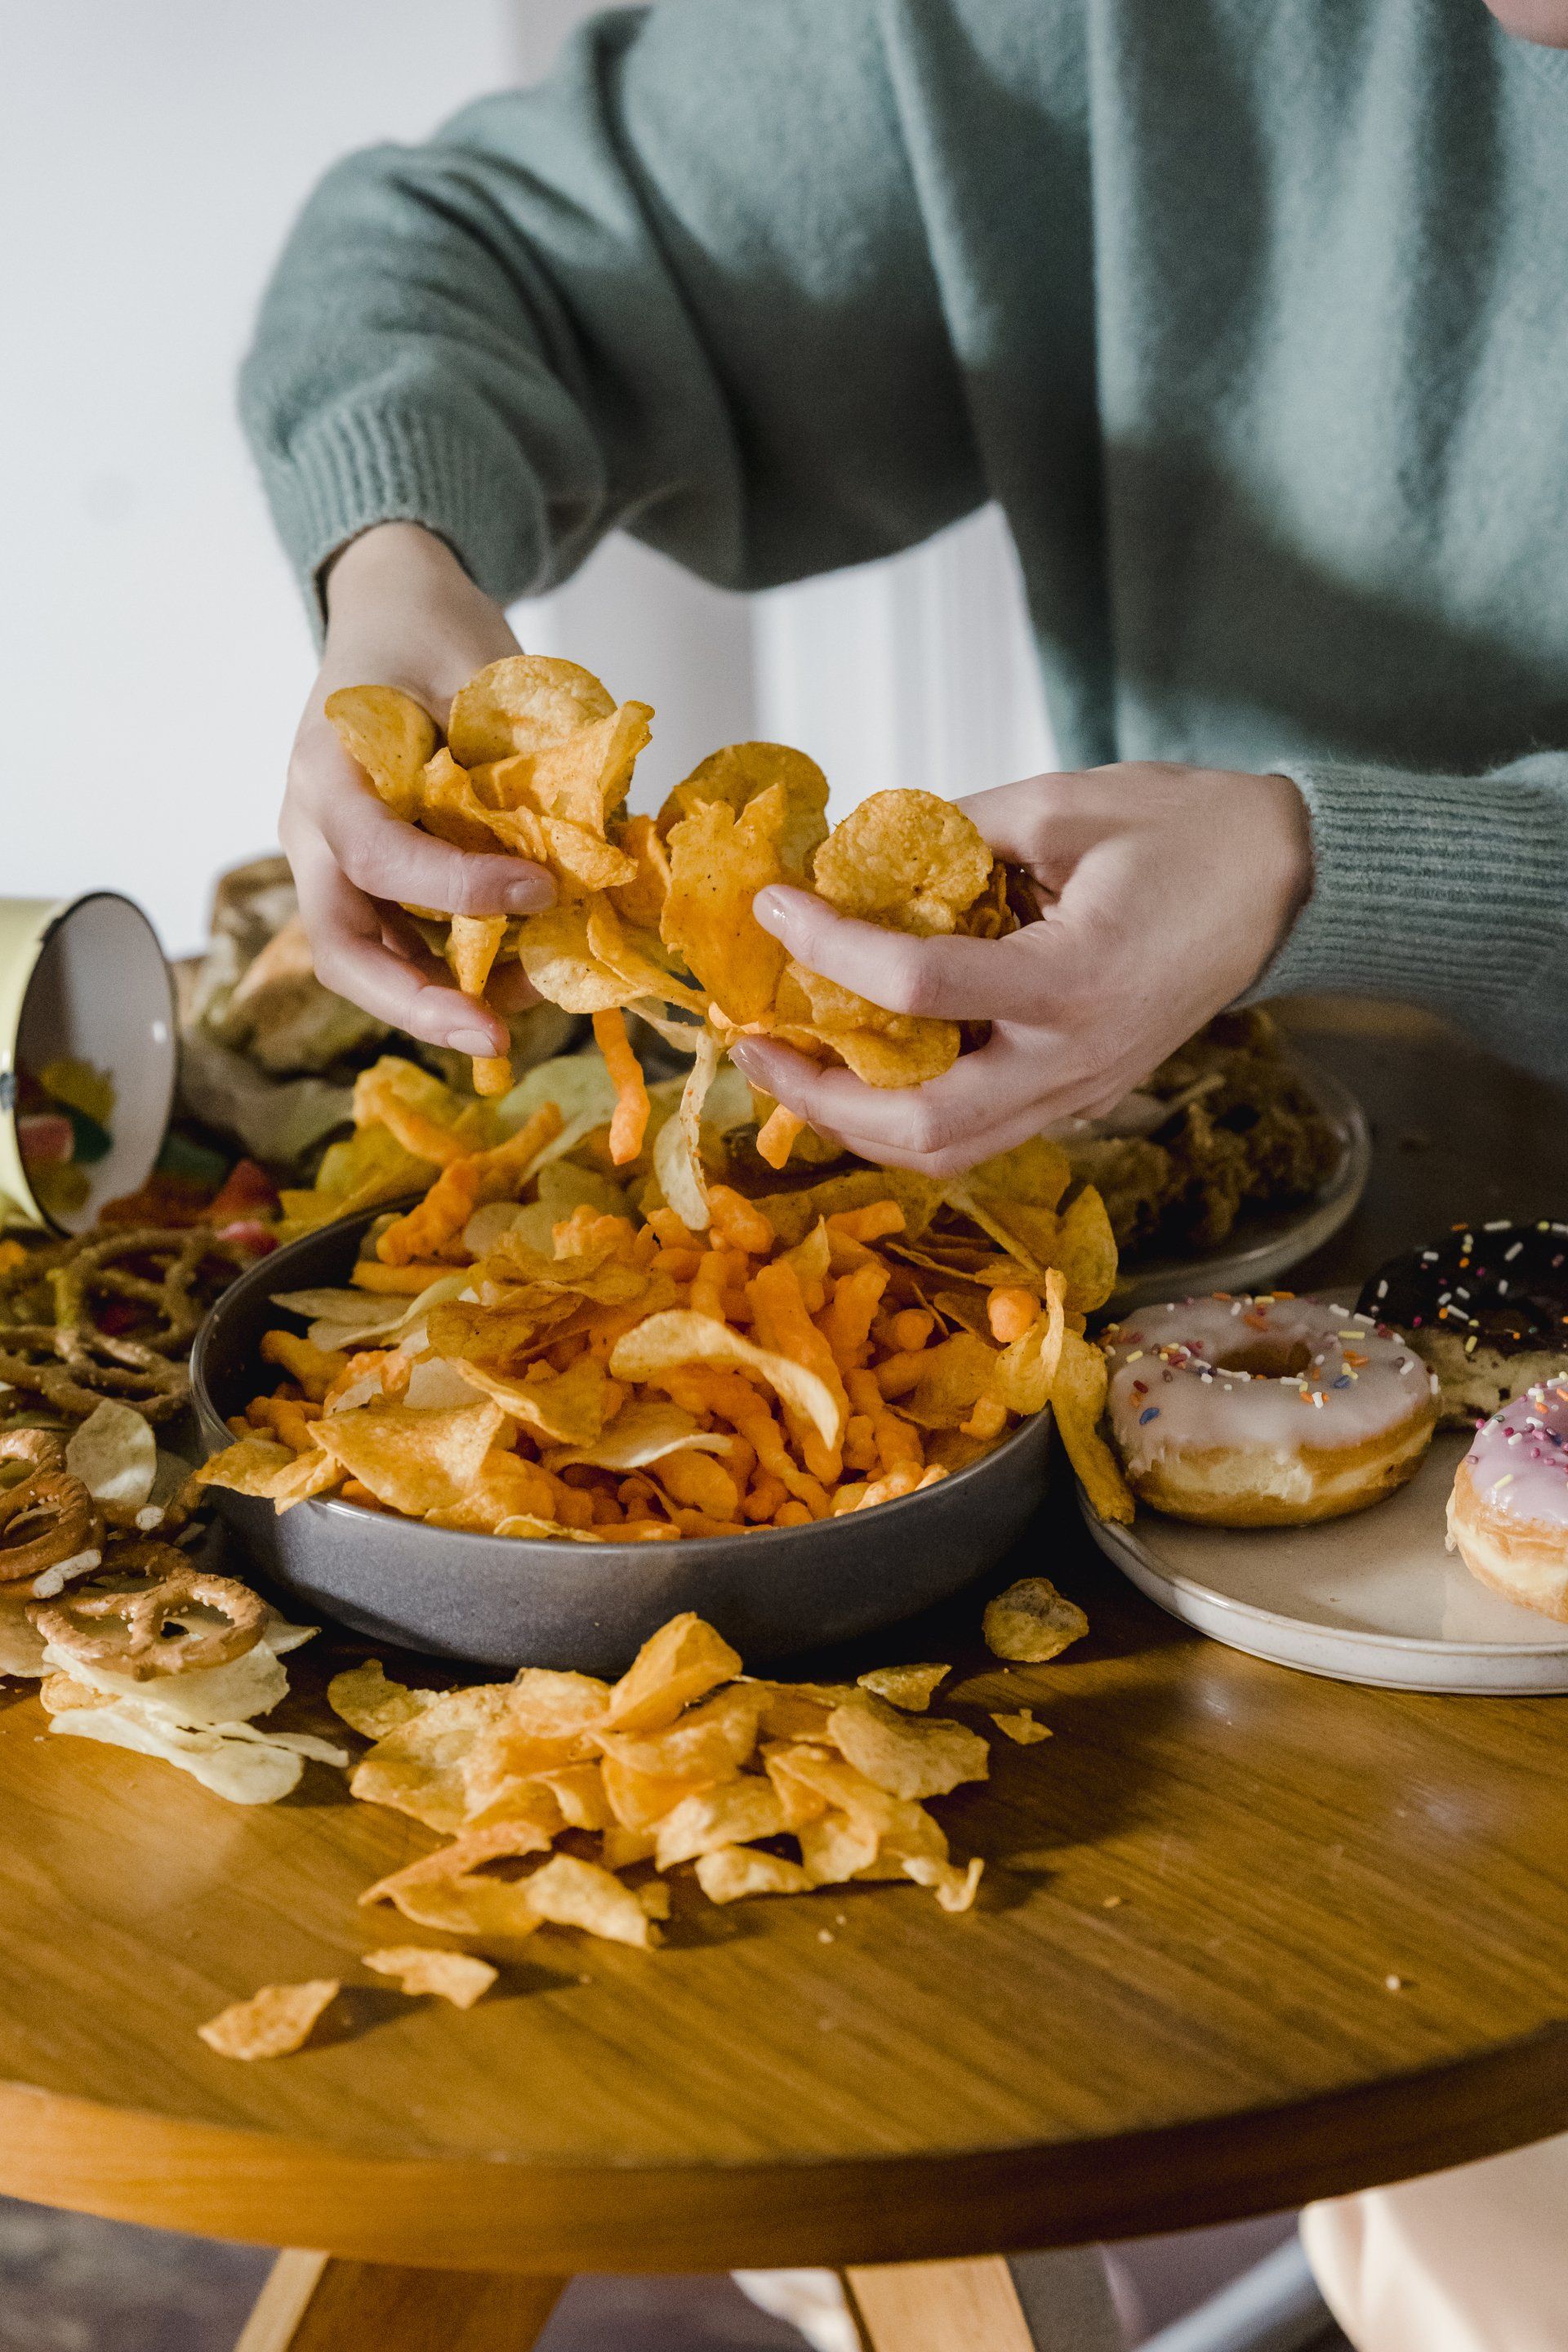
x,y
1266,1412
1508,1515
1486,1307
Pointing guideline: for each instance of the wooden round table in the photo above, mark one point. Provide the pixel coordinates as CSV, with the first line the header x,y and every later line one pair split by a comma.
x,y
1246,1938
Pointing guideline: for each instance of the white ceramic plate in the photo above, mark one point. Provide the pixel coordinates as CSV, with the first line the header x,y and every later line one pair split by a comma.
x,y
1263,1247
1374,1598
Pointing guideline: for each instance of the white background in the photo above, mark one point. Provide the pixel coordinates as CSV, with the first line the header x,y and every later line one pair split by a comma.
x,y
153,654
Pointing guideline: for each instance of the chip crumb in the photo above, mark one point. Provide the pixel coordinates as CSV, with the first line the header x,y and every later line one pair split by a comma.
x,y
460,1978
910,1688
273,2023
1111,1903
1395,1983
1032,1622
825,1935
1021,1727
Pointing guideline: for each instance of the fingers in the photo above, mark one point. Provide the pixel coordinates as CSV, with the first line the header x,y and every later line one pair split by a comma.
x,y
361,952
958,979
386,858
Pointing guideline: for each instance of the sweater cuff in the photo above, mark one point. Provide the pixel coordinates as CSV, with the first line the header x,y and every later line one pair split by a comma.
x,y
349,470
1442,890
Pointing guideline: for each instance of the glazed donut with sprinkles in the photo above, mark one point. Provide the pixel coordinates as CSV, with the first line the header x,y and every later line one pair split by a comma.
x,y
1266,1412
1486,1307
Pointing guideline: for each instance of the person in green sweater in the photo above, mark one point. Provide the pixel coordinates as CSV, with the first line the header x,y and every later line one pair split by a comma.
x,y
1253,321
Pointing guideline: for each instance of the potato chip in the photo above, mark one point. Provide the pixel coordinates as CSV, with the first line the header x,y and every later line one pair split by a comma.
x,y
1021,1727
552,948
467,1853
508,1487
1038,1172
678,1337
458,1977
417,1768
523,704
643,1432
800,1710
909,1687
681,1663
1077,1399
570,1893
115,1454
906,859
1086,1253
677,1154
708,1742
793,1215
953,1376
640,1801
581,858
1028,1369
718,863
739,774
638,958
732,1815
728,1874
907,1758
955,1889
583,779
579,1791
491,1910
451,810
1032,1622
372,1705
834,1848
620,1847
570,1408
920,1051
273,2023
390,736
415,1461
640,901
259,1465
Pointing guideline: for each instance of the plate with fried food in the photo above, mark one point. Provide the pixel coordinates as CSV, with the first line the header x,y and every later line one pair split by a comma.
x,y
524,1416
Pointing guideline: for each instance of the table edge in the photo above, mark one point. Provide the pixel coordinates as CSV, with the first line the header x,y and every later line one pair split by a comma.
x,y
229,2181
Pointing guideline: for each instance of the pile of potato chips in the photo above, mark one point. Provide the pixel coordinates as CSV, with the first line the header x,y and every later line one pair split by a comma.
x,y
656,913
564,1802
546,1346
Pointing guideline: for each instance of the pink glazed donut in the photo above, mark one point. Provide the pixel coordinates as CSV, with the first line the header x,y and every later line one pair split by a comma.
x,y
1508,1515
1266,1412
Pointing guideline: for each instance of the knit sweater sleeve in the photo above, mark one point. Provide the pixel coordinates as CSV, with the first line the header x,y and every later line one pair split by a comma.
x,y
1451,892
683,287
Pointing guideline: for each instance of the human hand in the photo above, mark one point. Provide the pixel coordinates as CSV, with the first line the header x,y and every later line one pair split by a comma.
x,y
401,611
1165,890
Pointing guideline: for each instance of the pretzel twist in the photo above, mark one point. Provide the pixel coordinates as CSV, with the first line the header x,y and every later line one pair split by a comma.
x,y
134,1641
47,1515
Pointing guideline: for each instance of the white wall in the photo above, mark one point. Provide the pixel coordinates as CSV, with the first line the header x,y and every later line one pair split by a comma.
x,y
152,652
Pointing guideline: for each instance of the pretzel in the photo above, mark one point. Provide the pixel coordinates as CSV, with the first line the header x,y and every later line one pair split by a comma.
x,y
74,1369
47,1515
94,1267
134,1641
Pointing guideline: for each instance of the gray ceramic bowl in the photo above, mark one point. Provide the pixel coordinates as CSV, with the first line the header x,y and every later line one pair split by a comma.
x,y
510,1602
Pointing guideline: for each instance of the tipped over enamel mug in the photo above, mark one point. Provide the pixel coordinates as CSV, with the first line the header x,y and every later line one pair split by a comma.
x,y
84,979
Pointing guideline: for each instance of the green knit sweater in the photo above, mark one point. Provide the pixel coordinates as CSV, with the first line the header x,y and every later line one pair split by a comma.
x,y
1252,316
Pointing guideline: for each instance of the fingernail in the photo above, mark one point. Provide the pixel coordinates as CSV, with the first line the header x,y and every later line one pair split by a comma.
x,y
471,1041
530,895
772,902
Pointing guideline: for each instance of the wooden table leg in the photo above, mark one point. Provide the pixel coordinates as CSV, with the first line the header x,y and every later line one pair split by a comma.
x,y
1046,2303
316,2302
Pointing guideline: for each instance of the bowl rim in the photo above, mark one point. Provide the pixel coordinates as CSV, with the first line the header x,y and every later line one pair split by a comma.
x,y
520,1548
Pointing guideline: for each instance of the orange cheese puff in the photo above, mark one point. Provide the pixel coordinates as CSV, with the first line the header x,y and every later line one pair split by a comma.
x,y
573,1508
434,1229
1010,1312
239,1426
697,1523
869,1225
718,1271
988,1420
315,1368
291,1423
629,1124
681,1264
701,1484
649,1531
792,1515
740,1461
910,1329
897,1375
644,1245
765,1497
859,1443
783,1325
637,1495
896,1440
907,1478
608,1512
351,1491
398,1281
734,1399
738,1222
777,1134
588,1230
667,1229
846,1324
